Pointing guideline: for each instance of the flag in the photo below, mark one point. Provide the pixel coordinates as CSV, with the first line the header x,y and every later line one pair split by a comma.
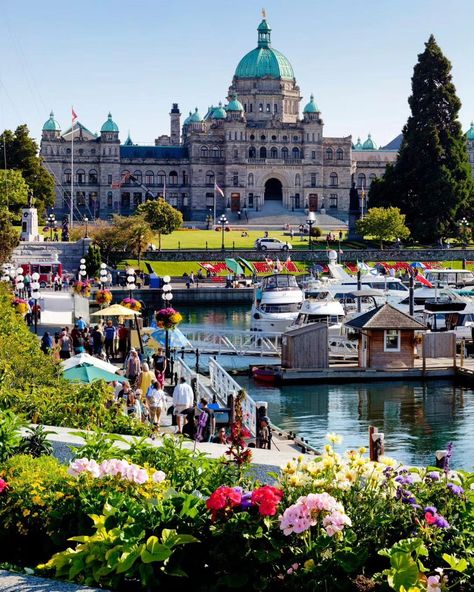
x,y
269,262
218,189
74,114
421,278
278,265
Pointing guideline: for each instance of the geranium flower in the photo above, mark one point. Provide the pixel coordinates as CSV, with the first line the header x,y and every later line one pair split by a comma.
x,y
3,485
267,498
223,498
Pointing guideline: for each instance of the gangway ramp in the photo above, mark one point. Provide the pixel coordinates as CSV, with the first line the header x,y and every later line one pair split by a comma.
x,y
231,341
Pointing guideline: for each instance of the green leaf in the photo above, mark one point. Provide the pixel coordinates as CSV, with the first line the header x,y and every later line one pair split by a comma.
x,y
127,559
459,565
160,553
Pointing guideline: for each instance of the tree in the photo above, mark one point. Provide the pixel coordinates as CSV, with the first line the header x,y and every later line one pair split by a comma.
x,y
8,236
383,224
13,190
110,238
431,179
162,217
139,235
21,154
93,261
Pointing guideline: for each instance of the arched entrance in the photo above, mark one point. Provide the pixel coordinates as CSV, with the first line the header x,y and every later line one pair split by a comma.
x,y
273,190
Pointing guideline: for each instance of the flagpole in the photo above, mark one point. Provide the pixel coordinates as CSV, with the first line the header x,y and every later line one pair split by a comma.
x,y
214,205
164,188
72,167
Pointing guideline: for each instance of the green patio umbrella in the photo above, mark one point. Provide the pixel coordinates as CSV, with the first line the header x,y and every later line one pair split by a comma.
x,y
89,374
234,266
247,264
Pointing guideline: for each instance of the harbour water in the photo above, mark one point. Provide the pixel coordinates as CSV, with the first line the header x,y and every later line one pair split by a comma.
x,y
417,418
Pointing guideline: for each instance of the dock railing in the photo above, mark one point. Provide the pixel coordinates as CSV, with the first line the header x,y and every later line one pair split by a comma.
x,y
224,385
203,390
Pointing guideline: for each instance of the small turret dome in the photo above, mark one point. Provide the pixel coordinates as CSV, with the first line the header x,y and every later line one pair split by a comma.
x,y
311,107
358,146
195,117
51,125
470,133
128,141
369,144
219,112
110,125
187,121
234,104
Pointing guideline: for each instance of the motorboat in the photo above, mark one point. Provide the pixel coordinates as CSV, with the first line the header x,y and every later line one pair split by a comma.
x,y
450,315
277,302
322,308
450,277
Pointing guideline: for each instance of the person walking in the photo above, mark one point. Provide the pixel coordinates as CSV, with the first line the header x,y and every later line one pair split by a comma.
x,y
109,339
65,346
97,339
132,366
206,423
123,336
221,437
156,402
183,398
46,343
160,363
145,378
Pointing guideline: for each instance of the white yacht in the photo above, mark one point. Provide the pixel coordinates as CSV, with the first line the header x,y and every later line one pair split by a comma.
x,y
450,277
322,308
277,302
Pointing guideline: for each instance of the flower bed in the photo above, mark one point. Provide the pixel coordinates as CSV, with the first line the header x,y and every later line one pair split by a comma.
x,y
103,297
82,288
168,318
143,517
132,304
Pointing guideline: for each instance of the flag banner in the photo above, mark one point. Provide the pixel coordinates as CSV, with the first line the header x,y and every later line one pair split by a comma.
x,y
74,115
268,261
218,189
116,185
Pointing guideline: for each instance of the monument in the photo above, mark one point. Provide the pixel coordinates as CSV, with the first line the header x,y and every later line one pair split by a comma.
x,y
29,222
354,213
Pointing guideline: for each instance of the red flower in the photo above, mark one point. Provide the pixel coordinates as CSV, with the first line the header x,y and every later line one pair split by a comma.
x,y
267,499
223,498
3,485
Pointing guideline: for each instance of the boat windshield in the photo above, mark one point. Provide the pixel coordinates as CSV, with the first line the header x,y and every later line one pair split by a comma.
x,y
279,282
276,308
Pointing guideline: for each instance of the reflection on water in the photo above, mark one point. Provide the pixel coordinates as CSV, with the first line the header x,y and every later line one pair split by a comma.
x,y
417,418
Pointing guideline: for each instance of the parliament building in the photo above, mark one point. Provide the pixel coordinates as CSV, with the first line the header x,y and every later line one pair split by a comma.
x,y
256,148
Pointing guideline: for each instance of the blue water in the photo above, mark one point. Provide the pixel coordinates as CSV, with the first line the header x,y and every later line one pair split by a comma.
x,y
417,418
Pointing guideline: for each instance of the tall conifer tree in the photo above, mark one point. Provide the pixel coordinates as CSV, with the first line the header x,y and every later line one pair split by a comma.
x,y
431,180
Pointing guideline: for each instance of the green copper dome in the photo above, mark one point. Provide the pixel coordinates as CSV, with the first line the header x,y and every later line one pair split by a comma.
x,y
311,107
51,125
195,117
264,60
187,121
128,141
358,146
219,113
369,144
235,104
470,133
109,125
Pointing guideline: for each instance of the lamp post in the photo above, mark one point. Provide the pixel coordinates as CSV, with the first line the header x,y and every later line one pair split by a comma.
x,y
223,222
35,293
51,224
82,269
463,227
131,281
167,297
292,197
86,220
103,275
257,197
18,279
310,221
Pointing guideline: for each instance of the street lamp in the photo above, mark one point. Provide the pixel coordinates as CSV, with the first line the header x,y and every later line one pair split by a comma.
x,y
223,222
103,275
257,197
131,280
310,221
292,197
51,224
82,269
167,297
35,294
86,220
18,278
463,226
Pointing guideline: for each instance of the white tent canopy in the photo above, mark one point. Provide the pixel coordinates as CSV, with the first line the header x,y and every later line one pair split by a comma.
x,y
87,360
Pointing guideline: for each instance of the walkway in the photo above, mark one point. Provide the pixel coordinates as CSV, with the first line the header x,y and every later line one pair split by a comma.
x,y
56,308
19,582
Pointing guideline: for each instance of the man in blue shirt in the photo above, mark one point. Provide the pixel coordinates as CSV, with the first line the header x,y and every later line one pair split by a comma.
x,y
81,324
110,333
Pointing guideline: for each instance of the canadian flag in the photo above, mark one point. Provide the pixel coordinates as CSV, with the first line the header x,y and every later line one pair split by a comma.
x,y
218,189
74,114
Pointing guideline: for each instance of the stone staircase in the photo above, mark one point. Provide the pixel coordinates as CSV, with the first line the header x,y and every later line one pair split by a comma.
x,y
69,254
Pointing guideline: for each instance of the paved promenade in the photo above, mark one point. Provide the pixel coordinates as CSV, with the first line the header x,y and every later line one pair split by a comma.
x,y
18,582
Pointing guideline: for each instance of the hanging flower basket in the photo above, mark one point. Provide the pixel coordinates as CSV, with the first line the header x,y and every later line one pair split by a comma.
x,y
103,297
82,288
168,318
20,305
132,304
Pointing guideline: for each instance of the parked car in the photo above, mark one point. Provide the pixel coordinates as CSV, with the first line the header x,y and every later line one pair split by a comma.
x,y
271,244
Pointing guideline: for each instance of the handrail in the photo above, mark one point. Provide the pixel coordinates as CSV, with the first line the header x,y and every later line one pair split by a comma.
x,y
183,370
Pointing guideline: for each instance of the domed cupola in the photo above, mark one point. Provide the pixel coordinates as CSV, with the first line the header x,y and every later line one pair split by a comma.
x,y
369,144
51,128
195,117
109,126
264,61
128,141
234,104
219,112
358,146
311,111
187,121
470,133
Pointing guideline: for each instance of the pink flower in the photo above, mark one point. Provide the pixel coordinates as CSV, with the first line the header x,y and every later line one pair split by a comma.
x,y
158,476
84,464
434,584
3,485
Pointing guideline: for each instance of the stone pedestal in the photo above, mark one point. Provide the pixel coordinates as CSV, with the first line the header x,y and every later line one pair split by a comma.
x,y
352,232
29,225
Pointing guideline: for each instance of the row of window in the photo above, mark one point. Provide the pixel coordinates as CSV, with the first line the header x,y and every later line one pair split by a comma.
x,y
362,180
273,153
127,200
330,154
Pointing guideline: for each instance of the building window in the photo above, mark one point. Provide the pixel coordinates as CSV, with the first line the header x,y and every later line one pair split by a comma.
x,y
210,178
275,108
333,180
284,153
251,107
263,152
185,178
109,179
260,107
80,177
313,179
333,201
81,198
109,199
339,154
263,137
250,180
67,176
273,152
269,108
184,200
149,178
81,151
160,177
329,154
285,139
215,152
138,176
235,179
93,179
295,152
68,151
391,340
250,200
204,151
173,178
137,199
245,107
313,154
236,153
93,152
372,177
296,139
92,200
361,181
297,180
125,201
252,152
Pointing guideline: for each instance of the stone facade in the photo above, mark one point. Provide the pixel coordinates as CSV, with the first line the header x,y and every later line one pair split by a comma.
x,y
256,148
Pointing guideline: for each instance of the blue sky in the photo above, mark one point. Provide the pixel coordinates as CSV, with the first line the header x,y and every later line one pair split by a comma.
x,y
135,59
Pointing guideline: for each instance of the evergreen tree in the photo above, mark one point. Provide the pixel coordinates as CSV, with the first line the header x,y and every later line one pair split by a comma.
x,y
93,261
21,153
9,237
431,179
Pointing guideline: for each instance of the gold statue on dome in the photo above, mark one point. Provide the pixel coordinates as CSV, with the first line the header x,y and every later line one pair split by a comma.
x,y
264,13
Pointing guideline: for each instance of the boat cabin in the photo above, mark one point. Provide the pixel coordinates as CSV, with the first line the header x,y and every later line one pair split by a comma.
x,y
450,277
386,338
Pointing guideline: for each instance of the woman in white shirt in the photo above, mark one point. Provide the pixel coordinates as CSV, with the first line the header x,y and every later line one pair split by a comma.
x,y
156,403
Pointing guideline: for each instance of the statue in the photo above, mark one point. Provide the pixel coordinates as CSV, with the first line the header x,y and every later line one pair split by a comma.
x,y
65,229
31,199
354,212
